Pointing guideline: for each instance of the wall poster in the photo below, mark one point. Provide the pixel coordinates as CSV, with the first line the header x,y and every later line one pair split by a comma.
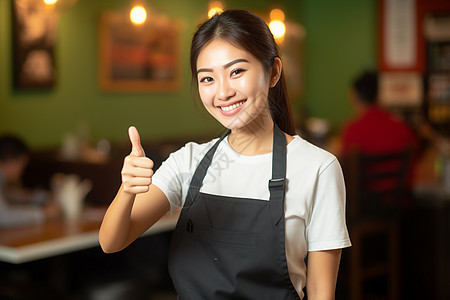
x,y
139,58
34,35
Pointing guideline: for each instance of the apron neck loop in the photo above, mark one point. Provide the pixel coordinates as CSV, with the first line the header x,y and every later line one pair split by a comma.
x,y
200,172
277,185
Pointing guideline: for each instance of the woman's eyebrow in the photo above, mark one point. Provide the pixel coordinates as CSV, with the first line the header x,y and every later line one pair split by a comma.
x,y
234,62
204,70
225,66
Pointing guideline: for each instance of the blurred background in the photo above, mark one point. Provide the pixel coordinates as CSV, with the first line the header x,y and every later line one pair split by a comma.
x,y
75,74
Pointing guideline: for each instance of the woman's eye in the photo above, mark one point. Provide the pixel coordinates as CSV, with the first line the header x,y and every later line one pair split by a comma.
x,y
206,79
237,72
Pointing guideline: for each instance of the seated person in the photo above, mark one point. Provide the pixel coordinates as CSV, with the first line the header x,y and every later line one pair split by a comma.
x,y
19,206
373,129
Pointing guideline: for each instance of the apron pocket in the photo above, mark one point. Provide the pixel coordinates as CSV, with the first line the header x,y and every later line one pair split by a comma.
x,y
230,238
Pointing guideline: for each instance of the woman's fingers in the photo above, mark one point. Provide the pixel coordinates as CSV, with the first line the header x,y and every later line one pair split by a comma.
x,y
135,139
137,169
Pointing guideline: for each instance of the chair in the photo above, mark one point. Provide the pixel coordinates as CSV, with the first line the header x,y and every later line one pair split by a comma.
x,y
377,187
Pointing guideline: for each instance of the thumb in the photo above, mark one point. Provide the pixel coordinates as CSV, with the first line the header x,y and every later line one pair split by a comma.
x,y
136,148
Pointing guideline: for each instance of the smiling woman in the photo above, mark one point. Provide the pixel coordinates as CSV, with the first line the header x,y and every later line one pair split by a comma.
x,y
253,37
233,85
255,202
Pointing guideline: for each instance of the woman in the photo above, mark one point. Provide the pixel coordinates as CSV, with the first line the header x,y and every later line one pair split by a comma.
x,y
254,202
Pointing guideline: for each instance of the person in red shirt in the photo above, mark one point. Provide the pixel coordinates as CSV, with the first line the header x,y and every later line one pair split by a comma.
x,y
373,129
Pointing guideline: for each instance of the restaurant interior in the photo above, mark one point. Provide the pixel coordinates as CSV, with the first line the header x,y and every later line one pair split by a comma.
x,y
72,83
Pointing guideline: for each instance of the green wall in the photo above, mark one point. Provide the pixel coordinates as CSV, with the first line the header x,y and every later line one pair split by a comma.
x,y
340,40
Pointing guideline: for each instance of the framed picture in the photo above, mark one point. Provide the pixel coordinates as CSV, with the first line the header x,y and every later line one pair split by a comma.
x,y
139,58
34,35
401,89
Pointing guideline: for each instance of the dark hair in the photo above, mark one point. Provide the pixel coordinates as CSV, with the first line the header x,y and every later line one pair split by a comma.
x,y
12,147
248,31
366,86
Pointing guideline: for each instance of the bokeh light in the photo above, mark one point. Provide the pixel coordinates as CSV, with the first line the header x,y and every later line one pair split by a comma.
x,y
138,15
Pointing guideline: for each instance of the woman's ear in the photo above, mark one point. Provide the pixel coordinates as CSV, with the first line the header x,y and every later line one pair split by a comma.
x,y
276,71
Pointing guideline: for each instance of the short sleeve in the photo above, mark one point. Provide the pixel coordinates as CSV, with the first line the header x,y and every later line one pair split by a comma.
x,y
175,173
169,180
327,228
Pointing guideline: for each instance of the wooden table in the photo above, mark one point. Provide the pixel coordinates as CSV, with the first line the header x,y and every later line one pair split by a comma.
x,y
24,244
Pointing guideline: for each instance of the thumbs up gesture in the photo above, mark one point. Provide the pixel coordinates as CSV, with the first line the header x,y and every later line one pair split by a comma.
x,y
137,169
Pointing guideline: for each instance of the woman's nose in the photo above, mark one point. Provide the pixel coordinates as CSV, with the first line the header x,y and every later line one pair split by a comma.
x,y
225,90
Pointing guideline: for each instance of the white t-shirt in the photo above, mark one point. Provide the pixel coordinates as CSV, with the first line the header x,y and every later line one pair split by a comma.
x,y
315,194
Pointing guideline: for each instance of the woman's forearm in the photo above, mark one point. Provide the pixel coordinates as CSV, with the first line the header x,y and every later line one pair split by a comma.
x,y
114,231
129,216
322,274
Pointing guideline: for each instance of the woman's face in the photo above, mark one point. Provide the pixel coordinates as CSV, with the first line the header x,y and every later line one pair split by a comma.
x,y
232,84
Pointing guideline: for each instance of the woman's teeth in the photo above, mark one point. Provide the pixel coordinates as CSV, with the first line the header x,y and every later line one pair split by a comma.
x,y
231,107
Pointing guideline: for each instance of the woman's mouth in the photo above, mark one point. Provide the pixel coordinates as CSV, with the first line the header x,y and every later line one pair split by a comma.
x,y
231,109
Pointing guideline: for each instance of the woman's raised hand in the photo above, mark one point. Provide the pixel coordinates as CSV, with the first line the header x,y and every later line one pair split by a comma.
x,y
137,169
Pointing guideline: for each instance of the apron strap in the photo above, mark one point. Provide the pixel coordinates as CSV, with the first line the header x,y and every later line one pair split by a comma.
x,y
200,172
277,185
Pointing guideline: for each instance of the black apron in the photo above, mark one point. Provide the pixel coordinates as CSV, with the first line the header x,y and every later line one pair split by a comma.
x,y
232,248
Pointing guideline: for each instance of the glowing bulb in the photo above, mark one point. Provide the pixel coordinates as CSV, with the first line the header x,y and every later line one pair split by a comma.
x,y
277,14
215,7
138,14
50,2
213,11
277,28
